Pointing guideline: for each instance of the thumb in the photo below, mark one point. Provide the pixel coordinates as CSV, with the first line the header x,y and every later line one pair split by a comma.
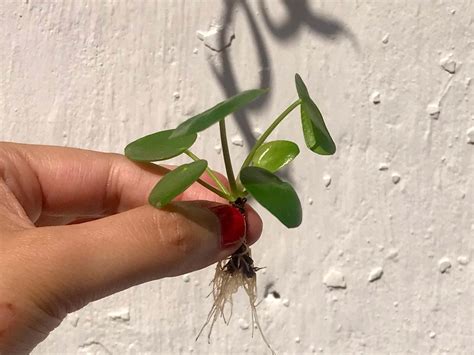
x,y
88,261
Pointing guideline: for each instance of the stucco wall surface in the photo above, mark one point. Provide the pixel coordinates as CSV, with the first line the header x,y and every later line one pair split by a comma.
x,y
383,260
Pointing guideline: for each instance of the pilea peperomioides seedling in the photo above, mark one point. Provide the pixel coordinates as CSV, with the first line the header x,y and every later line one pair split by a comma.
x,y
256,178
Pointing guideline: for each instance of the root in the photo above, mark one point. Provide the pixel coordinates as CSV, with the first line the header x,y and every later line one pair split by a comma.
x,y
231,274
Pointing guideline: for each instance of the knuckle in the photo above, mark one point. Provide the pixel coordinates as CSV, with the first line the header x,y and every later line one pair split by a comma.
x,y
179,236
174,232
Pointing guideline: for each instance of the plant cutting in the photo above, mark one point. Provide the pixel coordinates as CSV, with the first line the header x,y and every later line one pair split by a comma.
x,y
256,178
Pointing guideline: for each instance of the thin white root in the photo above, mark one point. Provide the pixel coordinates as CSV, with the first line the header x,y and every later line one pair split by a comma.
x,y
224,285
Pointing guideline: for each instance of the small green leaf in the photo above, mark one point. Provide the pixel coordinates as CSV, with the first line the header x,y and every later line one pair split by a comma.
x,y
315,132
215,114
158,146
274,155
277,196
176,182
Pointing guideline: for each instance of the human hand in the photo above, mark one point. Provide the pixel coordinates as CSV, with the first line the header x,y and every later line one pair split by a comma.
x,y
75,226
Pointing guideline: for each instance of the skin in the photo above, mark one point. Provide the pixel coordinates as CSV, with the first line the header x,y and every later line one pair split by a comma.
x,y
75,226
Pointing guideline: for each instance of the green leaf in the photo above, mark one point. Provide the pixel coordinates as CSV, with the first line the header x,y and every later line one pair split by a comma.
x,y
175,182
159,146
217,113
277,196
315,132
274,155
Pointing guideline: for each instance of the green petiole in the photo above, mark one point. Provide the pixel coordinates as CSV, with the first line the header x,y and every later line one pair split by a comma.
x,y
269,130
222,191
227,160
213,189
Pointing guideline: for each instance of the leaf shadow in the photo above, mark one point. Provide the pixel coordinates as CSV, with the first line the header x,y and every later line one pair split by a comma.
x,y
299,16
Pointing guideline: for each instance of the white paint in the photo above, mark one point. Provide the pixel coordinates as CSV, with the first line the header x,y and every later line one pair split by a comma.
x,y
237,140
375,274
120,315
396,178
243,324
392,254
433,110
212,38
448,64
327,180
444,264
470,135
98,74
257,131
73,319
334,279
375,97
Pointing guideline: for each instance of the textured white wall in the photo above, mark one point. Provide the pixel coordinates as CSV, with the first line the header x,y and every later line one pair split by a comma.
x,y
397,196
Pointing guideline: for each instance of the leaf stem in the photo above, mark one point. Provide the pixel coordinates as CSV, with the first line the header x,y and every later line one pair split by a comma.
x,y
269,130
223,191
227,160
224,195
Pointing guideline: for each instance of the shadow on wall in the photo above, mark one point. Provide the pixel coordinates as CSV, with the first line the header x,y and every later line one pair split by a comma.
x,y
299,16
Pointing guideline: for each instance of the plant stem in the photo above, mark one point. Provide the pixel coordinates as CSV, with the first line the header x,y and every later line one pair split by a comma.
x,y
223,191
227,161
224,195
269,130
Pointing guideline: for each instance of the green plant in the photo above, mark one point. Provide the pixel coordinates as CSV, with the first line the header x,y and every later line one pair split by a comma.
x,y
256,177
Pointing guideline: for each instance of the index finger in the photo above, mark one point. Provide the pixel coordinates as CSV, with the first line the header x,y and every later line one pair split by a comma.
x,y
54,182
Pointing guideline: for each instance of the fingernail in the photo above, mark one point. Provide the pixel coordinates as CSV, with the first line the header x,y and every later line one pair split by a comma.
x,y
232,224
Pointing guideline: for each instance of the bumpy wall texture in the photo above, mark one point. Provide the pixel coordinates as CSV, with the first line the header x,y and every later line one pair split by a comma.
x,y
383,260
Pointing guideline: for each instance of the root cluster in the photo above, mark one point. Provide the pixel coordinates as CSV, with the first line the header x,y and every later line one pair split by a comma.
x,y
233,273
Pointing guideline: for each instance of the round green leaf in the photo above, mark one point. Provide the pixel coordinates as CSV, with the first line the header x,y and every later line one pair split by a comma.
x,y
217,113
277,196
274,155
175,182
159,146
315,132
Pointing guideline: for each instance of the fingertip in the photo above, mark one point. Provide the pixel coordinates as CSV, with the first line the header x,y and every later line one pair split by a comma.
x,y
254,224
